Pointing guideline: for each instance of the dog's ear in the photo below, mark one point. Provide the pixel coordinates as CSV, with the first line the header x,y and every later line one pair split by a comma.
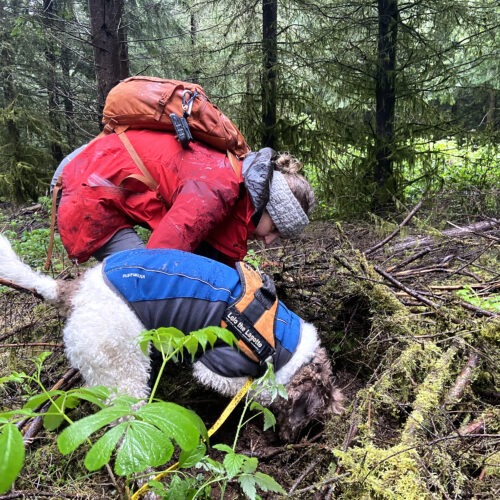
x,y
312,396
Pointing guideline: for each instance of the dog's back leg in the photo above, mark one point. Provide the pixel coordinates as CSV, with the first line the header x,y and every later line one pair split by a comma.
x,y
100,337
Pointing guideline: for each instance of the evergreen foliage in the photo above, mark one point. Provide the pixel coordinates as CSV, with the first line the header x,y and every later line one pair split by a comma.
x,y
445,81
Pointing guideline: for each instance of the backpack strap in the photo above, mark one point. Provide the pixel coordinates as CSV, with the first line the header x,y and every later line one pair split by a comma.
x,y
55,192
146,177
236,164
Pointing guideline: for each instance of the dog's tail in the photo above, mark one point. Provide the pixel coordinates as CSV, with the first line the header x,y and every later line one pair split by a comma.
x,y
20,274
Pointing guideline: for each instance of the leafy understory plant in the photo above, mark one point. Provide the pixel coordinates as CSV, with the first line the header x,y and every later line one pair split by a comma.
x,y
12,451
489,303
139,434
235,467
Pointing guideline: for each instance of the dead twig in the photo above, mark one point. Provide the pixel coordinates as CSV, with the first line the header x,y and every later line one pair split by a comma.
x,y
20,288
33,344
411,259
478,310
353,431
409,291
488,287
479,227
396,232
311,466
17,330
464,379
487,236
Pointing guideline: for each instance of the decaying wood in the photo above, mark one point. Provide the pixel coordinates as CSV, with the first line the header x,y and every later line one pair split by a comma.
x,y
478,228
477,426
409,260
463,380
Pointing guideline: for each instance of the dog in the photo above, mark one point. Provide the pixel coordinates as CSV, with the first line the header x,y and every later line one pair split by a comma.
x,y
110,304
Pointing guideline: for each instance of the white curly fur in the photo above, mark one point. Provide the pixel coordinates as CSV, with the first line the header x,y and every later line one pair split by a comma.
x,y
100,334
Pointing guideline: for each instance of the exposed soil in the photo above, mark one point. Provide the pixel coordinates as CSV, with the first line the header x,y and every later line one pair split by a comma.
x,y
418,364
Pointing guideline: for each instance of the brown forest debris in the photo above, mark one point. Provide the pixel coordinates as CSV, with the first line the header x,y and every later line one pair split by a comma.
x,y
463,380
397,231
409,291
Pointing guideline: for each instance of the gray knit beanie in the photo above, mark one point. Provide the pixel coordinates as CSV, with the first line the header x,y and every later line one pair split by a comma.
x,y
284,209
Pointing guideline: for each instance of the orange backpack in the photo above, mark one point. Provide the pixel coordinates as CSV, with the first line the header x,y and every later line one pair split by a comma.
x,y
149,103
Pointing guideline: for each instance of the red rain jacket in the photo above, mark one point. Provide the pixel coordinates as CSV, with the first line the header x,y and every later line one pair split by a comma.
x,y
199,197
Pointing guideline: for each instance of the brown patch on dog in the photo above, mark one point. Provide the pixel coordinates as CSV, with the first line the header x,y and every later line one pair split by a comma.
x,y
65,291
312,396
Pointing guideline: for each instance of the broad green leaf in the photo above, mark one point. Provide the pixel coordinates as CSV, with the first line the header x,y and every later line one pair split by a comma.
x,y
6,416
191,344
203,336
190,458
232,463
178,422
53,418
250,465
226,336
74,435
40,399
96,395
100,454
269,418
42,357
167,340
11,455
223,447
213,466
247,483
143,446
267,483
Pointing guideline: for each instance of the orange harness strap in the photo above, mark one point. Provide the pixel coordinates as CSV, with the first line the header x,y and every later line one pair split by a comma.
x,y
251,318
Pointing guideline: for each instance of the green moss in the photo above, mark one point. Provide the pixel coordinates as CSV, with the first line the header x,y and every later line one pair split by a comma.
x,y
429,397
491,331
373,473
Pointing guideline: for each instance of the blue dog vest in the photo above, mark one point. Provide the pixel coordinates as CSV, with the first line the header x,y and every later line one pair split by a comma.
x,y
168,287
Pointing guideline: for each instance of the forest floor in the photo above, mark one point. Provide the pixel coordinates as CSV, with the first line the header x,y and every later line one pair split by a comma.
x,y
410,315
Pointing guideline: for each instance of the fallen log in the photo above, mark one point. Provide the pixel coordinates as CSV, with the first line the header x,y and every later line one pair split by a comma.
x,y
416,241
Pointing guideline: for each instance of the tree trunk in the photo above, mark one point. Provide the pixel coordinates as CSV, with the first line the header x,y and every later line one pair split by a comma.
x,y
388,17
109,40
8,86
49,14
67,95
269,74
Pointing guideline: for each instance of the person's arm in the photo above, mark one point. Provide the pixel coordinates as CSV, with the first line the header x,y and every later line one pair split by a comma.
x,y
197,210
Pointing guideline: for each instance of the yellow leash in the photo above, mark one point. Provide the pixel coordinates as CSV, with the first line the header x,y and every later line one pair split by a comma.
x,y
230,407
215,427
